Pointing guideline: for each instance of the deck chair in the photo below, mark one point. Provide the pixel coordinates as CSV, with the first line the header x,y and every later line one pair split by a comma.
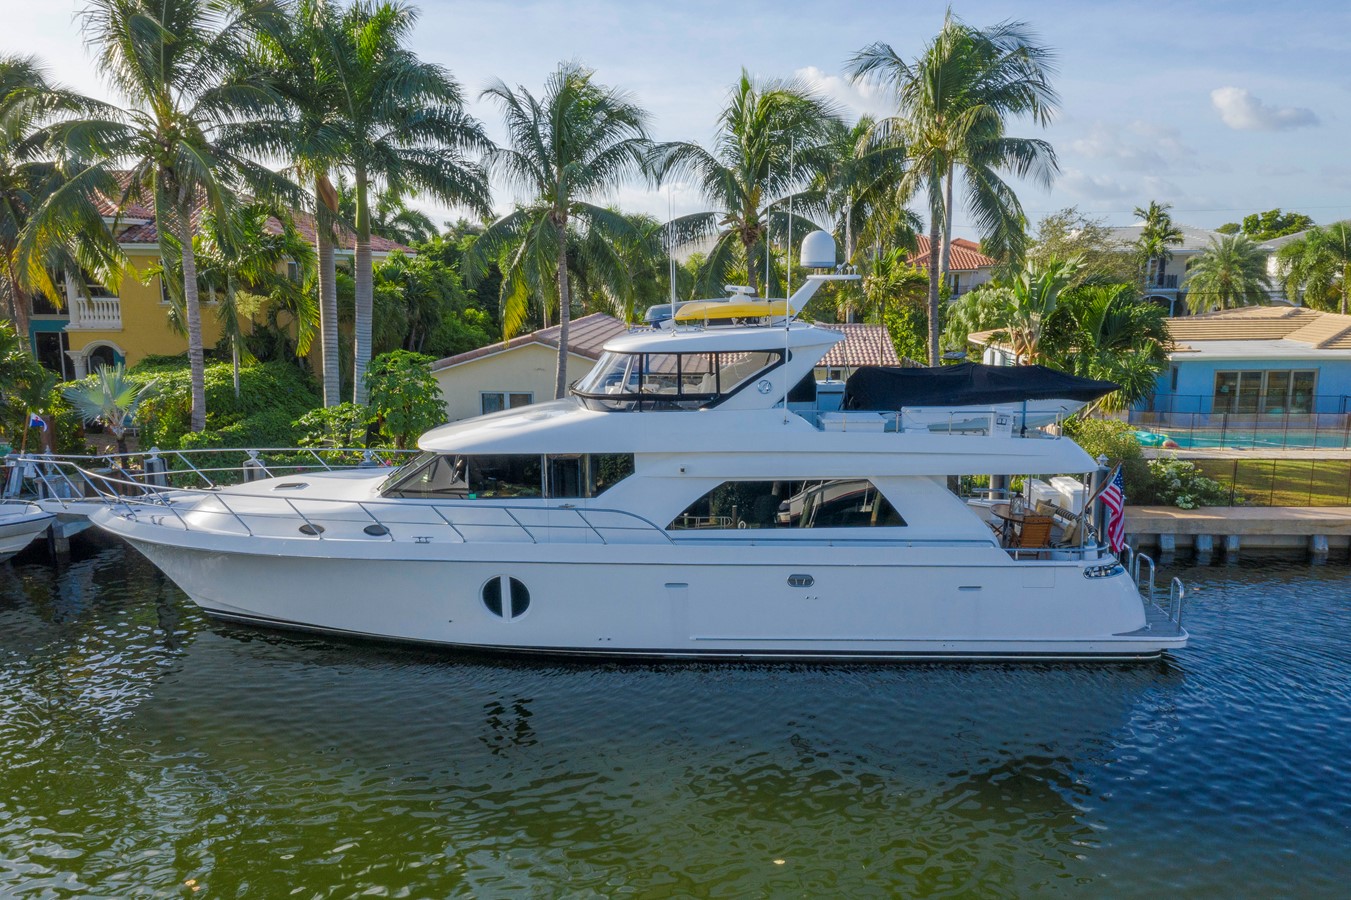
x,y
1035,531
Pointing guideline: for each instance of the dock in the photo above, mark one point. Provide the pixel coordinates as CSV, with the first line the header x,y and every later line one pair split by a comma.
x,y
1318,533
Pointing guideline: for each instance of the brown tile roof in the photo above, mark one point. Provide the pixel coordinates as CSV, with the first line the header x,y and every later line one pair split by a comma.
x,y
1252,323
863,345
586,337
964,256
147,233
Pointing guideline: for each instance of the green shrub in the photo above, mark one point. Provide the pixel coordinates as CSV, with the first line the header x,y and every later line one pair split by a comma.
x,y
1177,482
405,397
1115,440
344,425
272,396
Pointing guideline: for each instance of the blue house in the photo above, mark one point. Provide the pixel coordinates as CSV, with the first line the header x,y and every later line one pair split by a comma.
x,y
1257,363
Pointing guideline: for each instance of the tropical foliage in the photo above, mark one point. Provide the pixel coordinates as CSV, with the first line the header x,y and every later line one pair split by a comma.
x,y
1153,248
109,398
954,103
1316,269
405,398
773,142
577,141
1231,272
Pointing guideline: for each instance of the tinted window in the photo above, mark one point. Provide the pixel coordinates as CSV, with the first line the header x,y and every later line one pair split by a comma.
x,y
821,503
505,475
429,475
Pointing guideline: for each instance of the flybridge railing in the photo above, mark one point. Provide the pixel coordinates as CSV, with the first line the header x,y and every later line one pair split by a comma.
x,y
271,515
34,475
925,420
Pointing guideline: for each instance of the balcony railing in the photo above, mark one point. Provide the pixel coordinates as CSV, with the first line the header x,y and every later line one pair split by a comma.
x,y
96,313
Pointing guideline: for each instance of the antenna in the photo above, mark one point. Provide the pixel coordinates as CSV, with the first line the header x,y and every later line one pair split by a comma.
x,y
670,249
788,283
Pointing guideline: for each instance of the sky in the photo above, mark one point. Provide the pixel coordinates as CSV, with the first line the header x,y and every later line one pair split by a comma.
x,y
1218,108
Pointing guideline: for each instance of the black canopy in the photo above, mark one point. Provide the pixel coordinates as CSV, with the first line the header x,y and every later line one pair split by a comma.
x,y
967,384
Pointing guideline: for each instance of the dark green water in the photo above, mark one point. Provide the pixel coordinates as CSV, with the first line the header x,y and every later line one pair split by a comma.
x,y
146,751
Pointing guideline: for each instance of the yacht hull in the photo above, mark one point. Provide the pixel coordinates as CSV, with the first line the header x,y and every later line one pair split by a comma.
x,y
18,530
670,601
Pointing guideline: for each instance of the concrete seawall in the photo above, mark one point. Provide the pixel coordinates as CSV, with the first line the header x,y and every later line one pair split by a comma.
x,y
1315,533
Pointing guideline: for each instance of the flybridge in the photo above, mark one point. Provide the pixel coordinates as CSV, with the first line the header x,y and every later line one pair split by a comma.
x,y
742,307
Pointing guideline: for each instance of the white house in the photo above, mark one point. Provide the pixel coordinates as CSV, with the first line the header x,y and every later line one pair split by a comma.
x,y
967,266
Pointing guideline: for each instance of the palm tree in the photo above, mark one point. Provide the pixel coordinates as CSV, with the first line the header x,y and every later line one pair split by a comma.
x,y
110,398
773,142
391,216
300,63
243,262
1316,269
1232,271
1157,236
578,141
1113,335
954,101
180,66
49,222
1028,303
860,191
402,125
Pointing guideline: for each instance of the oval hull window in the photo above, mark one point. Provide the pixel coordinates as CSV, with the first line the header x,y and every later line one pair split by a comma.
x,y
506,597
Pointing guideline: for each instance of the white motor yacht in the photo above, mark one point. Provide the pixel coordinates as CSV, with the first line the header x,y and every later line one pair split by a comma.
x,y
695,497
20,524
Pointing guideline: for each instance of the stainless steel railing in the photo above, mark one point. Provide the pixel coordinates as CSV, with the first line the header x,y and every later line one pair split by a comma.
x,y
278,516
1177,592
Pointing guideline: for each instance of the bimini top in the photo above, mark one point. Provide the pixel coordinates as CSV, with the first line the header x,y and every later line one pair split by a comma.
x,y
967,384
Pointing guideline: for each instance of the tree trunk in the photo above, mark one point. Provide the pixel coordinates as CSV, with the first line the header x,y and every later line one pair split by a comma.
x,y
196,357
945,250
365,290
18,306
752,269
564,316
934,233
330,369
237,336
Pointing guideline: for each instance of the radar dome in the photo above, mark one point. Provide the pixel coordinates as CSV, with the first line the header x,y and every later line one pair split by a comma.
x,y
818,251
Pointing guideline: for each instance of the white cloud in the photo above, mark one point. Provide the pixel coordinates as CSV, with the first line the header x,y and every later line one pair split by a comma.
x,y
1087,186
1241,111
860,99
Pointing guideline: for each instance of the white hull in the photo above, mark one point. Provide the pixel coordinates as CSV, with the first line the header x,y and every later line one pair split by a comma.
x,y
692,600
20,524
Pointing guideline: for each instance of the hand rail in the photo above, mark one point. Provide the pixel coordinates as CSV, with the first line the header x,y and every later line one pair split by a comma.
x,y
476,514
1135,573
1177,595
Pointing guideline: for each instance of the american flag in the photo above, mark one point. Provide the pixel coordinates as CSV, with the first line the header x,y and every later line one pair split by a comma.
x,y
1114,498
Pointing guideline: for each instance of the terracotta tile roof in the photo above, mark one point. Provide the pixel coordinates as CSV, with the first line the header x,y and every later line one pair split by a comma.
x,y
964,256
1253,323
147,233
863,345
586,338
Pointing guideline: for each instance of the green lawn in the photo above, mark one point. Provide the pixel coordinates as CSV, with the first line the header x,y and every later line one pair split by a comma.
x,y
1283,482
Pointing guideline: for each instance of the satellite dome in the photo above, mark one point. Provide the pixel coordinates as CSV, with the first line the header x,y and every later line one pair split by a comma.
x,y
818,251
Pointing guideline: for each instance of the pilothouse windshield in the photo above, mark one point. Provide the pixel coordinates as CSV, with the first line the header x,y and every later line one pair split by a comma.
x,y
624,381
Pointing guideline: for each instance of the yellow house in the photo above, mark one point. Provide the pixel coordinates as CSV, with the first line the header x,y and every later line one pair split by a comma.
x,y
97,326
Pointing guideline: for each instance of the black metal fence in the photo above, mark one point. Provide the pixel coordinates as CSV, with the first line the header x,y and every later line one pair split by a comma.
x,y
1247,431
1281,482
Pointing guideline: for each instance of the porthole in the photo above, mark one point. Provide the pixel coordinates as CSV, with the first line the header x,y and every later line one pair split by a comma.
x,y
312,530
376,530
506,597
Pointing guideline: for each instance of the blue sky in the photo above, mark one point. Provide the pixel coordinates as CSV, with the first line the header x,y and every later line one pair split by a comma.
x,y
1217,108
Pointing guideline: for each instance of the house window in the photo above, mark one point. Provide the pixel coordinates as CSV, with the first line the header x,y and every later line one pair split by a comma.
x,y
496,401
816,503
293,272
1273,392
